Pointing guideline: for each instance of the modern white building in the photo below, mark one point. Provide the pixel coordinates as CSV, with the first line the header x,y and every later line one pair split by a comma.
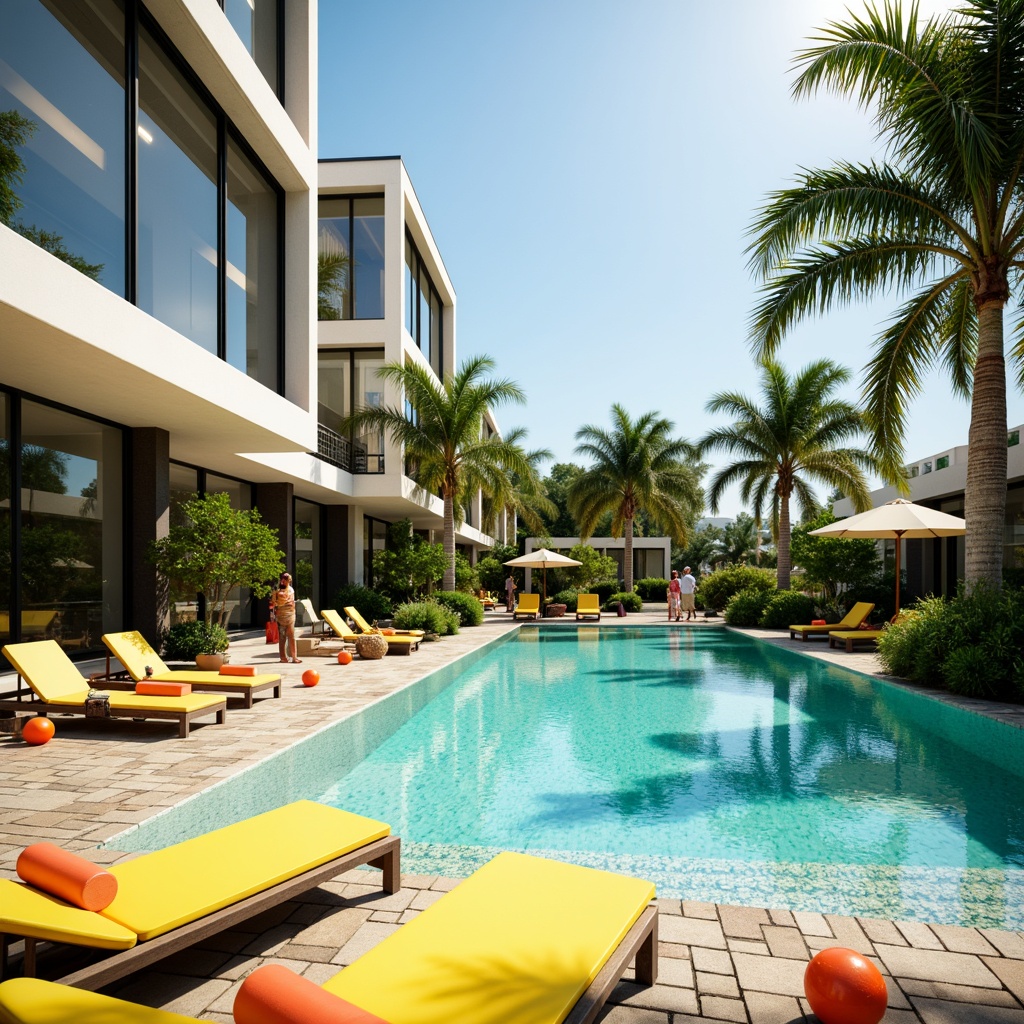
x,y
652,556
159,311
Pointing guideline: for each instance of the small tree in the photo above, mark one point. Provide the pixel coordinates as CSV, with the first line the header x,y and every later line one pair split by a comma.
x,y
596,570
834,563
408,564
216,548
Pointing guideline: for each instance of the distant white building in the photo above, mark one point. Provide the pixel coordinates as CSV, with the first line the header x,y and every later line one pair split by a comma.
x,y
651,555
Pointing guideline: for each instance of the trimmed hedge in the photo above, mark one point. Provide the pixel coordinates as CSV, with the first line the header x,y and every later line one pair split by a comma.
x,y
651,588
786,608
632,602
469,609
719,587
371,604
428,616
567,597
747,607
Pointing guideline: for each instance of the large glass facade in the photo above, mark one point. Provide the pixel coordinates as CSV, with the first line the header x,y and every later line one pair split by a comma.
x,y
257,23
253,259
177,237
347,380
350,258
375,538
423,309
307,551
62,106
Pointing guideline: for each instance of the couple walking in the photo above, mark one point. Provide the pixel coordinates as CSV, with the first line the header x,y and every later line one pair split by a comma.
x,y
680,595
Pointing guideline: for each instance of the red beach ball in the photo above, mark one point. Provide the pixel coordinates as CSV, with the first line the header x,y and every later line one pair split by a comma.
x,y
344,658
310,677
844,987
37,731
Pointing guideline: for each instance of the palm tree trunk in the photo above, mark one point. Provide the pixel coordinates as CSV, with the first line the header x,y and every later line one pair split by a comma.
x,y
448,582
785,563
627,558
985,497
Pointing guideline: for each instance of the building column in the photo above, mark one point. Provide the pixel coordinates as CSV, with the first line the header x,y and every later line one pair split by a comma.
x,y
336,547
277,510
147,607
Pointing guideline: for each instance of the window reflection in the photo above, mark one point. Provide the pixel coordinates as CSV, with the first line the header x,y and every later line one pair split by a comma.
x,y
307,551
347,380
334,260
350,258
368,253
62,114
184,485
423,309
255,22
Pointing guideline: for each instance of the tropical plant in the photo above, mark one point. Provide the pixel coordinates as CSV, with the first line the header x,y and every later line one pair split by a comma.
x,y
701,550
787,441
15,131
718,587
746,607
428,616
520,498
557,485
785,608
739,543
637,465
184,640
943,218
468,608
214,548
629,600
440,428
834,565
651,588
371,604
408,563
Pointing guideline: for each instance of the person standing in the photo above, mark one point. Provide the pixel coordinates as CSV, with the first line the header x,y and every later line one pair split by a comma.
x,y
510,593
282,607
688,585
675,593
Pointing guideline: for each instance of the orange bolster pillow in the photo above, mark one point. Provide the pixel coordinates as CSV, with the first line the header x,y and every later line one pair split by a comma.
x,y
274,995
238,670
818,622
67,876
155,688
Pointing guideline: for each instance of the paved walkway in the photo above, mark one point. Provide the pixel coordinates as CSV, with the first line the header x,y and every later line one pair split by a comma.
x,y
717,962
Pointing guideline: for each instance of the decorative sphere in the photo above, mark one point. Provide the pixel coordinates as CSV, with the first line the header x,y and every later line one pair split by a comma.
x,y
310,677
37,731
344,658
844,987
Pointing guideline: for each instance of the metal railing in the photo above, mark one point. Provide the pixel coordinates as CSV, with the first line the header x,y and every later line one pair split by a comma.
x,y
350,456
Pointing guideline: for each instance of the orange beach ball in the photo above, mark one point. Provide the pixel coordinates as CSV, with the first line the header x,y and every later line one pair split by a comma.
x,y
344,658
310,677
37,731
844,987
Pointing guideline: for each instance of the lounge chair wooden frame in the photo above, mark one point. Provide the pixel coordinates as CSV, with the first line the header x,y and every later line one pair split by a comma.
x,y
383,853
849,638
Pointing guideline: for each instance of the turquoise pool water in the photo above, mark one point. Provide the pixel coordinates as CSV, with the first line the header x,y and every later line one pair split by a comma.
x,y
715,765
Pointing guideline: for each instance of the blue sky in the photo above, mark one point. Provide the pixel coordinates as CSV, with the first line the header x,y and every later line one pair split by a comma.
x,y
589,170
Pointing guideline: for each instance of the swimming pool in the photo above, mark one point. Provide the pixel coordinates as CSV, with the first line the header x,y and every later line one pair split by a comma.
x,y
717,766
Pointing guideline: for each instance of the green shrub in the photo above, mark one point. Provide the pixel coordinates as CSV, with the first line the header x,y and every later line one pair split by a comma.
x,y
651,588
468,608
786,608
428,616
747,607
568,598
492,575
184,640
371,604
632,602
467,579
717,588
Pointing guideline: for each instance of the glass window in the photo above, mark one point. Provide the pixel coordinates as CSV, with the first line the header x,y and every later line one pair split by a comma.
x,y
307,551
256,23
942,462
369,447
183,486
424,314
333,260
334,387
5,521
368,254
252,262
410,289
926,468
1012,438
62,107
375,538
71,528
436,356
177,202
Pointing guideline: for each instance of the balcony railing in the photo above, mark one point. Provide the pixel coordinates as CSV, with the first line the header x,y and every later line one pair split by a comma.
x,y
350,456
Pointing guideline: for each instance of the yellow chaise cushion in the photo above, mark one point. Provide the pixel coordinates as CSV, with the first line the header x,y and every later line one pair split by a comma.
x,y
518,942
170,887
31,1001
35,915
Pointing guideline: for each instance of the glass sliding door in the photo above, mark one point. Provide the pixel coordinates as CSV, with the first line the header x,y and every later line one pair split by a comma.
x,y
307,551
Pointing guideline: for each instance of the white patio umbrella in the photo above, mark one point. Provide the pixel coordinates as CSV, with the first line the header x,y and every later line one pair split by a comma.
x,y
896,519
541,559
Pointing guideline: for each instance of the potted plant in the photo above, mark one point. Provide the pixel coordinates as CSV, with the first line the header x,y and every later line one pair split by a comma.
x,y
205,643
213,549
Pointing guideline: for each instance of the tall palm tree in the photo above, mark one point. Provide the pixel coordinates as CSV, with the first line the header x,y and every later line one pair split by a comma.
x,y
443,438
637,465
521,497
789,440
943,219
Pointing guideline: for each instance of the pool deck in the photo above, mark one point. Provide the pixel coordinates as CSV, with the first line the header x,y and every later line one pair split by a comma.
x,y
717,962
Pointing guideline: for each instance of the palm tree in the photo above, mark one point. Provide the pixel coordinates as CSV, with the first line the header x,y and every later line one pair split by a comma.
x,y
443,438
740,540
785,442
944,218
637,466
521,497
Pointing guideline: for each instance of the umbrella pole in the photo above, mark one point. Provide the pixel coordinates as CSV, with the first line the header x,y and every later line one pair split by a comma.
x,y
899,540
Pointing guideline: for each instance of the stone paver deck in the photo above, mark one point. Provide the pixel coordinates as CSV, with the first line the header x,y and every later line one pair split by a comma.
x,y
717,962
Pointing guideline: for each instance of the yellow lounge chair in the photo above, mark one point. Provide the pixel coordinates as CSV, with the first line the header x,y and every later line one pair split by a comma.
x,y
854,617
588,604
529,604
175,897
136,655
60,688
364,627
396,644
521,941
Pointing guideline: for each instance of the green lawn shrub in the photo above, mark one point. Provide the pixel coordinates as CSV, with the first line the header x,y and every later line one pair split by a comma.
x,y
568,598
632,602
468,608
747,607
184,640
429,616
786,608
371,604
651,588
717,588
